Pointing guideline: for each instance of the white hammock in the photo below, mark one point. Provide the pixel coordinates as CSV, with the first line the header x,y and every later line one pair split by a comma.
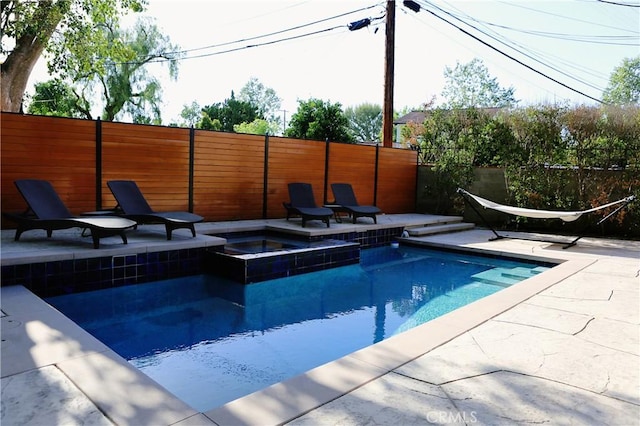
x,y
567,216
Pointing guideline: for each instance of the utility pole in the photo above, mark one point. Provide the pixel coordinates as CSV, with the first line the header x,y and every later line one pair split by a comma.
x,y
284,121
387,110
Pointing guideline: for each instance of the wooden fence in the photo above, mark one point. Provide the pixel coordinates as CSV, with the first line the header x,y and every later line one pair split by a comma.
x,y
221,176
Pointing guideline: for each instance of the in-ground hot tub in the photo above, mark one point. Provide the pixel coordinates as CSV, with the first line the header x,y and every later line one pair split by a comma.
x,y
255,258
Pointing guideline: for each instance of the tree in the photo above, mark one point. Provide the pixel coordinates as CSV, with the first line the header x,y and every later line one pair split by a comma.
x,y
126,86
264,99
29,29
470,85
624,83
190,114
365,122
228,113
258,126
56,98
319,120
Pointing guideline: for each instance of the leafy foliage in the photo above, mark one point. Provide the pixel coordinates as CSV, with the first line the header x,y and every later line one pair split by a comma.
x,y
555,158
365,122
471,86
319,120
125,85
223,116
56,98
258,126
56,27
265,100
190,115
624,83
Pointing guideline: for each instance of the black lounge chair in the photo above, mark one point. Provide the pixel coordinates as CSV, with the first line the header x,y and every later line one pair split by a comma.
x,y
303,203
48,212
133,205
346,199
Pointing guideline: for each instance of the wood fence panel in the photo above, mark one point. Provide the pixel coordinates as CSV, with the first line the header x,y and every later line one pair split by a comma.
x,y
397,171
156,158
293,160
228,168
354,164
59,150
229,175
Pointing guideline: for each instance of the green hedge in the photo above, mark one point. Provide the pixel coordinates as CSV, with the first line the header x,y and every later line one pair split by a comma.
x,y
554,158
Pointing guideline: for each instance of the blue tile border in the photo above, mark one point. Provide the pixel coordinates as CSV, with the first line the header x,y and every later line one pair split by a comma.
x,y
252,269
72,276
76,275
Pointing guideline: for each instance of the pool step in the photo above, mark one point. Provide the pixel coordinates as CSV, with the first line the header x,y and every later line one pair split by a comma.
x,y
523,273
504,277
439,229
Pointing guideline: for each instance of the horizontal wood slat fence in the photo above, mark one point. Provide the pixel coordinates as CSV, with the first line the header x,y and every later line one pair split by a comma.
x,y
218,175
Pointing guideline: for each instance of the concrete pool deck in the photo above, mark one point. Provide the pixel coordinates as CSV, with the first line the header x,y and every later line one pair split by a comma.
x,y
562,347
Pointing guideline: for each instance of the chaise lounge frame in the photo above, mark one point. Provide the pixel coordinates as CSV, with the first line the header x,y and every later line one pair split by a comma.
x,y
46,211
132,204
302,203
346,199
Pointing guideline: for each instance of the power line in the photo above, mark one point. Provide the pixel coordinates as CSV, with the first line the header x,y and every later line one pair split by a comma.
x,y
297,27
564,36
529,67
544,12
250,46
619,4
523,51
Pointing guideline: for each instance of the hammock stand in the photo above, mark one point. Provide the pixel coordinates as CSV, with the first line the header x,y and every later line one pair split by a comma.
x,y
567,216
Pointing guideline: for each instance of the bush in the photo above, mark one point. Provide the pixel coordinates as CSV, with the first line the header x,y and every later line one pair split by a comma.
x,y
555,157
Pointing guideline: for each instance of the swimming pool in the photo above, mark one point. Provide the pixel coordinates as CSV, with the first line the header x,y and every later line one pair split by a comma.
x,y
210,341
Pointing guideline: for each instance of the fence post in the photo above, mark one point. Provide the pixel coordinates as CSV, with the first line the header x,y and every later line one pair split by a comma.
x,y
192,153
326,171
265,176
98,164
375,176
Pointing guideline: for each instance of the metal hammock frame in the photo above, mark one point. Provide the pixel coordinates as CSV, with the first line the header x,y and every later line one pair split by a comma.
x,y
566,216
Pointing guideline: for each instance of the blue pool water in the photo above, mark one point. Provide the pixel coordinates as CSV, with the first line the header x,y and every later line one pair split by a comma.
x,y
210,341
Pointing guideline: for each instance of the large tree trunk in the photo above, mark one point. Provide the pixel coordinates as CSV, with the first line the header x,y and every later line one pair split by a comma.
x,y
17,68
16,71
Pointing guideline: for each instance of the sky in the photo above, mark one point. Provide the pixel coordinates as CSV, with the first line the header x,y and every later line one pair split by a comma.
x,y
312,53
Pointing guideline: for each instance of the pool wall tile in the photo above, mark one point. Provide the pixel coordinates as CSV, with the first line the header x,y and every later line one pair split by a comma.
x,y
252,269
54,278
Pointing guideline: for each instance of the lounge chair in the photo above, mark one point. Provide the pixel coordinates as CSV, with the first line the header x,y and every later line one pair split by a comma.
x,y
346,199
133,205
48,212
303,203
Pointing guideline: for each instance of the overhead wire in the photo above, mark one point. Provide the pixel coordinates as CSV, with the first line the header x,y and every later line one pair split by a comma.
x,y
570,37
177,53
545,12
618,3
466,46
540,57
507,55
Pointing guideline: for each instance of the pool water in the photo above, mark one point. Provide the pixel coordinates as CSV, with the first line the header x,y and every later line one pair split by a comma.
x,y
210,341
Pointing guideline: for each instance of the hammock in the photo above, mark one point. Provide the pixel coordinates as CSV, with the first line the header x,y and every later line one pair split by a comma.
x,y
566,216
